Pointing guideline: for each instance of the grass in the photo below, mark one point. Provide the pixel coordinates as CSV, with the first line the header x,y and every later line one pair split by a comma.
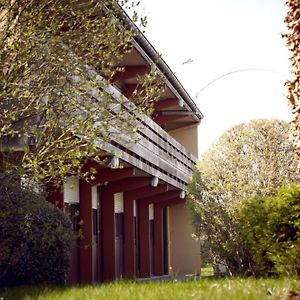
x,y
209,289
207,270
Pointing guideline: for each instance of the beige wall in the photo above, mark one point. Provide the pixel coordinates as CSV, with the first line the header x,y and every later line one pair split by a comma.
x,y
184,250
188,137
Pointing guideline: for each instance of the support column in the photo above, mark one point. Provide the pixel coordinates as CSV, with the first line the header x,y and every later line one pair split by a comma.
x,y
108,235
158,241
144,240
85,252
129,238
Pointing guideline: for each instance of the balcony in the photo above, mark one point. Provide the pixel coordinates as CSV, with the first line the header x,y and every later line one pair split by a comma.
x,y
152,149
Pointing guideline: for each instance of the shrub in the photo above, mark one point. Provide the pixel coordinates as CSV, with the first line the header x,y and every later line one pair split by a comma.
x,y
35,238
216,224
257,236
271,230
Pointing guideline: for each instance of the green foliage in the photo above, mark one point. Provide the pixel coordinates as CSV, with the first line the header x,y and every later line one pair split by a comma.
x,y
216,225
258,236
250,160
57,60
270,228
35,236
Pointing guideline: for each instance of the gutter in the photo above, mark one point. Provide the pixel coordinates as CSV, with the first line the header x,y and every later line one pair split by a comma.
x,y
147,47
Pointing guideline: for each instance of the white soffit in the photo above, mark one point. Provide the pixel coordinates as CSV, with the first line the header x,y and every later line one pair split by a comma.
x,y
94,197
119,203
151,212
71,190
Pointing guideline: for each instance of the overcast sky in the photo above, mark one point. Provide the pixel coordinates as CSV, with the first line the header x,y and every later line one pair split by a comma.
x,y
221,36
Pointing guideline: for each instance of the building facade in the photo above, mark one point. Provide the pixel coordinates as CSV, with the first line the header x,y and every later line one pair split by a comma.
x,y
134,221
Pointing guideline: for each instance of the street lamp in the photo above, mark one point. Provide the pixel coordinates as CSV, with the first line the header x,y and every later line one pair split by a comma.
x,y
230,73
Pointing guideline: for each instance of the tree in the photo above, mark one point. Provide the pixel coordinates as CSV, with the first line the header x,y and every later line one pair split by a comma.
x,y
292,21
57,60
248,159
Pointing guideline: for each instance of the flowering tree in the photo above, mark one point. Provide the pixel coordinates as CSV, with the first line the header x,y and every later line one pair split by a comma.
x,y
248,159
57,59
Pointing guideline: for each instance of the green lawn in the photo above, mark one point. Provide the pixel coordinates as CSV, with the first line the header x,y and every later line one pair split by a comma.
x,y
207,271
208,289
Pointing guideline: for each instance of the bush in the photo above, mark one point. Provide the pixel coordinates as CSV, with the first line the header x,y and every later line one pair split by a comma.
x,y
35,236
216,224
270,228
258,236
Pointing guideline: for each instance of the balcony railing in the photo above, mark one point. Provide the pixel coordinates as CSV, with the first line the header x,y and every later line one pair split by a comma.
x,y
153,150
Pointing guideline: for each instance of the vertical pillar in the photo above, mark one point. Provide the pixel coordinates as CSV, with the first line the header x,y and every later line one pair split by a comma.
x,y
55,196
108,235
166,247
86,250
129,238
144,240
158,240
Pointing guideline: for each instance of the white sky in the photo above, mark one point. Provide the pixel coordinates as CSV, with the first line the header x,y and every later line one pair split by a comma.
x,y
221,36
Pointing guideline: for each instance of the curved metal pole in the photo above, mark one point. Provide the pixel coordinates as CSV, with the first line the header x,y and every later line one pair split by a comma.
x,y
232,72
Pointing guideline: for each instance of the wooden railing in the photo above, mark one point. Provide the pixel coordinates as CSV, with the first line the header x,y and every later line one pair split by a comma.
x,y
152,150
